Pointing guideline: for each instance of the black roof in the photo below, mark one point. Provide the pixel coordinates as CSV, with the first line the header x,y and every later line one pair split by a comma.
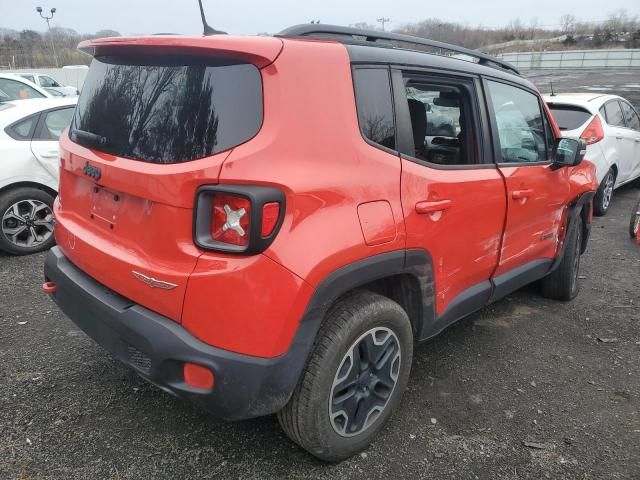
x,y
371,38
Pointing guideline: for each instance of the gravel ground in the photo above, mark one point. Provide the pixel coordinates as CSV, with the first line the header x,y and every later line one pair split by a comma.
x,y
525,369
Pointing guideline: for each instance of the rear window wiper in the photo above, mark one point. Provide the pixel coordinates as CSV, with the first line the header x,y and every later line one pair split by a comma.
x,y
97,140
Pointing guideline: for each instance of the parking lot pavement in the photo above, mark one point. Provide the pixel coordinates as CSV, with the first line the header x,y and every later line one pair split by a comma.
x,y
563,376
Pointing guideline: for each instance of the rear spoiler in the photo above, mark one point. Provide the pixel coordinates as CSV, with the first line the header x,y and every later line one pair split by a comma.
x,y
260,51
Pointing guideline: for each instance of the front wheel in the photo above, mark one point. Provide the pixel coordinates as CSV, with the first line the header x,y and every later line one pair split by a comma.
x,y
634,224
562,283
604,194
354,380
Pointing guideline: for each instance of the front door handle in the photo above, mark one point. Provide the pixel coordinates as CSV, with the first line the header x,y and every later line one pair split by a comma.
x,y
619,137
521,194
637,140
425,207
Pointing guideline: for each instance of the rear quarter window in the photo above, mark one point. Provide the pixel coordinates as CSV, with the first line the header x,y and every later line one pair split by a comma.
x,y
569,117
374,104
168,109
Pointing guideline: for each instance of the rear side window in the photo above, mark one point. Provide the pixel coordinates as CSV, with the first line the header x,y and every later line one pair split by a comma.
x,y
375,108
55,121
22,130
630,116
167,109
569,117
614,114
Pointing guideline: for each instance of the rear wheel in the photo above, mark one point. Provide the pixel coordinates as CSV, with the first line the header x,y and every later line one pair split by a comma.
x,y
634,224
562,283
604,194
354,380
26,221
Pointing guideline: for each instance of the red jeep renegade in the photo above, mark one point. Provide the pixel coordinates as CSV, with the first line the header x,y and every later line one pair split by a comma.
x,y
266,225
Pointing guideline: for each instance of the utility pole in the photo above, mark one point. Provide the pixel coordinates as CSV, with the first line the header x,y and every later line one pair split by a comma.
x,y
47,18
382,21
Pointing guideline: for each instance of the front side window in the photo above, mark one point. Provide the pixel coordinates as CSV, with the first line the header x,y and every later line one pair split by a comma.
x,y
520,125
55,122
375,106
15,90
167,109
48,82
613,114
630,116
440,120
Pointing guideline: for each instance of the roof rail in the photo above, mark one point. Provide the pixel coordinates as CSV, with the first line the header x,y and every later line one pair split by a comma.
x,y
332,31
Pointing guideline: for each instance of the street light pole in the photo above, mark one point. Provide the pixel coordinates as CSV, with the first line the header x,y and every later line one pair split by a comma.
x,y
47,18
383,20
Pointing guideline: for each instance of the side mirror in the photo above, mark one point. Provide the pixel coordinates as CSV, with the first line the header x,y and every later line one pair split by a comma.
x,y
569,152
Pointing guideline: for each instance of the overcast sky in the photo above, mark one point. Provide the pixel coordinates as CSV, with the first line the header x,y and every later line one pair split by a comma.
x,y
253,16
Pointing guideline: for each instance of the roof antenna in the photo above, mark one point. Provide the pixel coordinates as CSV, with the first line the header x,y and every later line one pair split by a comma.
x,y
208,30
552,94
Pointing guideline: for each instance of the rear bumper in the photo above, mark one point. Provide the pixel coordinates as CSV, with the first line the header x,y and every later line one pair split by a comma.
x,y
156,347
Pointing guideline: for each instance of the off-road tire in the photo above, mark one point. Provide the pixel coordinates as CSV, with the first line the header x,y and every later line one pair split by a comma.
x,y
562,283
306,418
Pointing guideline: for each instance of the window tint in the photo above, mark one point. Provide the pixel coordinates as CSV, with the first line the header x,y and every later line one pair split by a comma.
x,y
15,90
630,116
614,114
440,131
520,125
168,110
569,117
375,109
54,123
48,82
22,130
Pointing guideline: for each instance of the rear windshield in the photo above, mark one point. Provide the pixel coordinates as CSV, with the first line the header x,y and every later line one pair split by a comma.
x,y
168,109
569,117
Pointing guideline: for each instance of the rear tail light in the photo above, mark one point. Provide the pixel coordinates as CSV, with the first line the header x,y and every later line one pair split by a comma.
x,y
230,219
594,132
239,219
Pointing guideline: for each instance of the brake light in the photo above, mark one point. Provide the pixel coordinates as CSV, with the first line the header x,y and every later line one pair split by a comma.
x,y
594,132
230,219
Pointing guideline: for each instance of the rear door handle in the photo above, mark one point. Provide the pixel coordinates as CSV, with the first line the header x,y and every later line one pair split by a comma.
x,y
521,194
425,207
52,154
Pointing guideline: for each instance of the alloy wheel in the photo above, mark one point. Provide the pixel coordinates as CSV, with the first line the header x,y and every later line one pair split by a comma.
x,y
364,381
28,223
607,192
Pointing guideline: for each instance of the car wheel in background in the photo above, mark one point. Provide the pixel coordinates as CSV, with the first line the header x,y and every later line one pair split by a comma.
x,y
634,224
354,379
604,194
26,221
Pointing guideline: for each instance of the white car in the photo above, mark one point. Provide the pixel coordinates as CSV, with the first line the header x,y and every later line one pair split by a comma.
x,y
14,87
48,83
29,170
611,127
